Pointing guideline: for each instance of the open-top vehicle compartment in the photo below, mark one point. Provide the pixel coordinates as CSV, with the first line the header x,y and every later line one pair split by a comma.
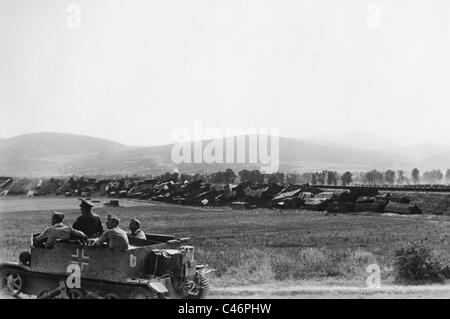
x,y
97,262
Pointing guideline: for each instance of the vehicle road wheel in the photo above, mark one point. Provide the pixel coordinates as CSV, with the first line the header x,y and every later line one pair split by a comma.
x,y
11,282
203,283
76,294
111,296
142,293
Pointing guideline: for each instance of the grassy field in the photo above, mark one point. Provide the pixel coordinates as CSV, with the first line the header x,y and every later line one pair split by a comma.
x,y
251,246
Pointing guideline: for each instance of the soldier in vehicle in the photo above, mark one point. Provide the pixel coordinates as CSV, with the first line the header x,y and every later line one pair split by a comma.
x,y
58,231
114,237
89,223
134,229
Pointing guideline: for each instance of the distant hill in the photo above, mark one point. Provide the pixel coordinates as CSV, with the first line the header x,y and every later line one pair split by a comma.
x,y
424,155
40,154
357,139
334,156
428,155
49,144
55,154
440,160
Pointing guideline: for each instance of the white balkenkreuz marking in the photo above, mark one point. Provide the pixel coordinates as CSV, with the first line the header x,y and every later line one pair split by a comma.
x,y
81,259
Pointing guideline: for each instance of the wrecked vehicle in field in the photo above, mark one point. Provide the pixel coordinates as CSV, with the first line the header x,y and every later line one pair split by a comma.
x,y
319,201
375,203
157,267
288,199
402,208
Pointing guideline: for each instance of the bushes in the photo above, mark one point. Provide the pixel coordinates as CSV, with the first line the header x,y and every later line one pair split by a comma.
x,y
417,263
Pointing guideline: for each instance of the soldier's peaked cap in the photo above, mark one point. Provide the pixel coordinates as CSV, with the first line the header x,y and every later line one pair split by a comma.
x,y
85,202
135,220
58,215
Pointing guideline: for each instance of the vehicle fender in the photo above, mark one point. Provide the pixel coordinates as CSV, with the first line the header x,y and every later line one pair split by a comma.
x,y
13,265
158,287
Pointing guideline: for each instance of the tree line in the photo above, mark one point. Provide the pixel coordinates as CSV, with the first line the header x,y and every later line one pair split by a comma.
x,y
324,177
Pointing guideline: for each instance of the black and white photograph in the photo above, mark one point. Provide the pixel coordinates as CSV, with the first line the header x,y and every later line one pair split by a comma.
x,y
224,150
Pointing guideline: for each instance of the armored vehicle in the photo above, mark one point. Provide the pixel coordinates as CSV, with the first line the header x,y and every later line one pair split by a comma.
x,y
161,266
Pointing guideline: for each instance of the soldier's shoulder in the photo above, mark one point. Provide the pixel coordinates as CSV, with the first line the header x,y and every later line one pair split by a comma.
x,y
120,231
80,217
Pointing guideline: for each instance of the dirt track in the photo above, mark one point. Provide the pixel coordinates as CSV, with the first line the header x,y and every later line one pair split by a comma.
x,y
320,291
330,292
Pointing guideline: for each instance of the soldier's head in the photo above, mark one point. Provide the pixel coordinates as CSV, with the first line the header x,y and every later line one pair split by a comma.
x,y
134,224
57,218
86,206
112,221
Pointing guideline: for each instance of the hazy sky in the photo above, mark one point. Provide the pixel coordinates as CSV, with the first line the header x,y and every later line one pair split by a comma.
x,y
136,70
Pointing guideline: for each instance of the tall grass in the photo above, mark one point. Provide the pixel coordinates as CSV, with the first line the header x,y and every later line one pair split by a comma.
x,y
236,265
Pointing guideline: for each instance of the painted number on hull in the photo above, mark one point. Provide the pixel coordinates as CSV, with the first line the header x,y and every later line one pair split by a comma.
x,y
133,260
